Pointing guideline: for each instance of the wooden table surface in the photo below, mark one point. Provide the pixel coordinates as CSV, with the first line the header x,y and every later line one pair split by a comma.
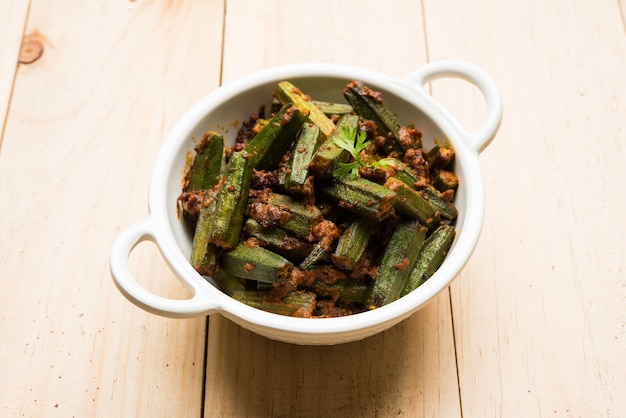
x,y
534,326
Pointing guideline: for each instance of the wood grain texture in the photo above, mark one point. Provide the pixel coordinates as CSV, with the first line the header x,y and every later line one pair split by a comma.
x,y
277,32
12,20
539,313
406,371
85,123
536,322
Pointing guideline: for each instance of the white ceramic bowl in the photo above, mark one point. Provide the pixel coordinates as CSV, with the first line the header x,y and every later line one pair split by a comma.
x,y
224,110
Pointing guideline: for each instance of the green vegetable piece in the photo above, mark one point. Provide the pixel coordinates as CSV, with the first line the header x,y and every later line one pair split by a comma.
x,y
329,153
367,103
446,209
445,180
264,286
406,175
440,156
204,254
344,290
318,253
207,163
256,263
410,202
303,150
298,303
228,283
288,93
267,148
430,257
398,260
278,240
352,244
303,217
226,220
332,108
403,172
364,197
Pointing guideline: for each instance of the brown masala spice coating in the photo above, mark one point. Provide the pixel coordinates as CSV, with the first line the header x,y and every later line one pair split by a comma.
x,y
336,215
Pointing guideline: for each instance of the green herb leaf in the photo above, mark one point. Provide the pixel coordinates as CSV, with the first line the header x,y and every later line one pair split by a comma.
x,y
354,143
384,162
347,169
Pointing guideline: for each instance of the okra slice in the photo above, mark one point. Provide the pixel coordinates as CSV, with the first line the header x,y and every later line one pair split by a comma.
x,y
267,148
364,197
278,240
445,180
207,163
288,93
410,202
303,217
440,156
352,244
256,263
430,257
398,260
368,104
228,283
298,303
318,253
205,255
332,108
329,153
344,290
303,150
226,219
446,209
404,173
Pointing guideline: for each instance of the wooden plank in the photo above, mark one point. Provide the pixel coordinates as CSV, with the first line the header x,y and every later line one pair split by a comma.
x,y
539,313
13,14
85,123
286,32
406,371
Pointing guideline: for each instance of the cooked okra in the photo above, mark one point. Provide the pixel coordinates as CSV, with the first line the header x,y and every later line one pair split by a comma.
x,y
363,197
226,220
256,263
268,147
288,93
207,164
329,153
278,240
397,263
429,258
411,203
366,102
204,254
352,244
320,208
297,303
333,108
303,150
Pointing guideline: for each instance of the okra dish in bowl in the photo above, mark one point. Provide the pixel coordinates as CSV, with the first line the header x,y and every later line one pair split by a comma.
x,y
315,203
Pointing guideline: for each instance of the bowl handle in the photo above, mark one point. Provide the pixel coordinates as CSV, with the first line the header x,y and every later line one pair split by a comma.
x,y
479,139
201,302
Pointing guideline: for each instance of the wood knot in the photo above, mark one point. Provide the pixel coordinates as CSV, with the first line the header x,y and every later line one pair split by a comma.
x,y
31,49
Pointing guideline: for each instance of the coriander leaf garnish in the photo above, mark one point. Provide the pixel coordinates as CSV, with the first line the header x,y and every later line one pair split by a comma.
x,y
354,143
